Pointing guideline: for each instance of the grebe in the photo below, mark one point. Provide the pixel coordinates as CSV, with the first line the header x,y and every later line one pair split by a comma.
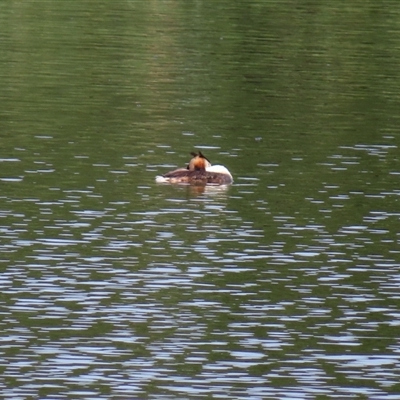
x,y
198,172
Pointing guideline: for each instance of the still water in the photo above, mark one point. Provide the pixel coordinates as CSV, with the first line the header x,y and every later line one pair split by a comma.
x,y
283,285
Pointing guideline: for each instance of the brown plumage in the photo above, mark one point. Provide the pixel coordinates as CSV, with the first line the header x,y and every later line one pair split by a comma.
x,y
198,162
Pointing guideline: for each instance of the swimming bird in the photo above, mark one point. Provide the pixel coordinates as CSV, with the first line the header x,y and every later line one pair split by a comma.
x,y
199,171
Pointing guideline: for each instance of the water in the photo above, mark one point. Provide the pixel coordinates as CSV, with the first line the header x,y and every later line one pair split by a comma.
x,y
283,285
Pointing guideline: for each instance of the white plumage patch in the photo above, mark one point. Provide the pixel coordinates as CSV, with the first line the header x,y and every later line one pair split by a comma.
x,y
219,169
161,179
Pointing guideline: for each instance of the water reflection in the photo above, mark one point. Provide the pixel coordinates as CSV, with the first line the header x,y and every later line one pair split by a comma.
x,y
204,303
195,190
194,284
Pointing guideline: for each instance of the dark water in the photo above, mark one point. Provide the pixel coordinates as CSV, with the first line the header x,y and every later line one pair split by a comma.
x,y
283,285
